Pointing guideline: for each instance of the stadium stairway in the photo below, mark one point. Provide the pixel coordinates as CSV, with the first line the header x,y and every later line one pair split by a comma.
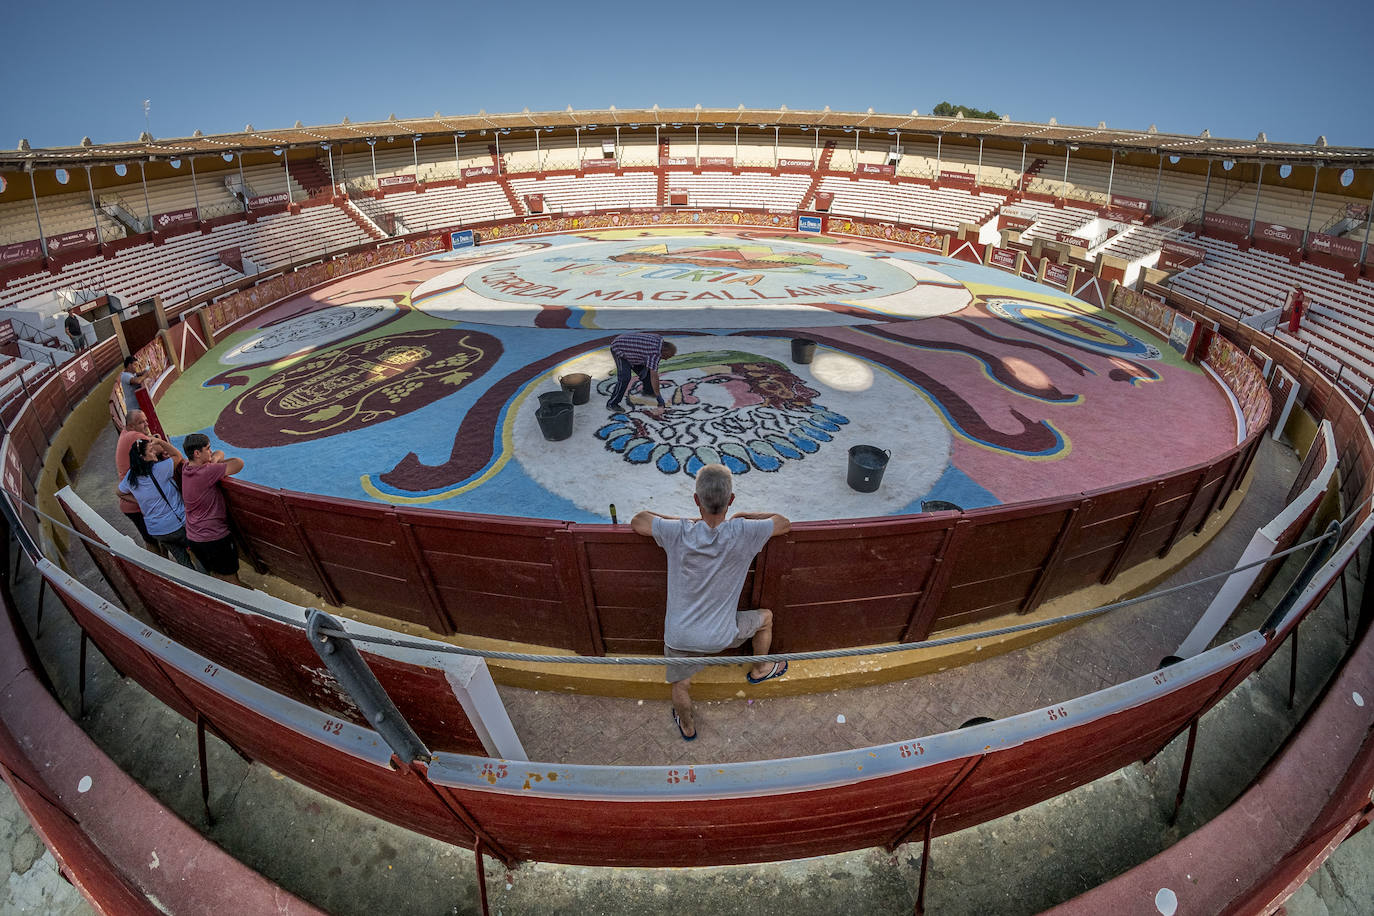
x,y
515,203
312,176
808,201
364,222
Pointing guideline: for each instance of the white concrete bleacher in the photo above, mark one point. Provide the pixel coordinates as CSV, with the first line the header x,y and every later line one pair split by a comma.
x,y
1050,219
590,191
747,190
441,207
188,264
61,213
945,208
1138,242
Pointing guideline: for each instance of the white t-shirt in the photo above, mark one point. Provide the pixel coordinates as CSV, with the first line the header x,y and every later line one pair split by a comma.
x,y
706,569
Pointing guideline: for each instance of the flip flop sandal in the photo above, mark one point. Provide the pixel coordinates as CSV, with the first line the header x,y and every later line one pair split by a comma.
x,y
776,672
680,731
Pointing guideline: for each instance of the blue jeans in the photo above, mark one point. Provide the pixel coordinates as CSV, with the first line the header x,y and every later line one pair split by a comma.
x,y
624,374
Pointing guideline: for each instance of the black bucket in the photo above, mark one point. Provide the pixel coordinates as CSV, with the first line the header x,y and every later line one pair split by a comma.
x,y
803,350
555,397
866,466
555,421
579,385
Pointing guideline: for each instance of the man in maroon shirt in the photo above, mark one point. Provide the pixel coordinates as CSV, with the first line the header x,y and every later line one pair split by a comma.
x,y
638,354
207,519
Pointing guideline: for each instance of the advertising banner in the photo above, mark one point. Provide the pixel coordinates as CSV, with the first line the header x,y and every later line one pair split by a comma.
x,y
20,251
824,200
173,218
1135,205
957,179
590,164
727,161
232,257
1179,256
1015,220
1286,236
1181,334
1222,222
794,163
268,200
462,239
479,171
809,223
677,160
73,370
1346,249
1068,239
7,334
677,198
1004,258
1057,275
868,168
396,181
83,238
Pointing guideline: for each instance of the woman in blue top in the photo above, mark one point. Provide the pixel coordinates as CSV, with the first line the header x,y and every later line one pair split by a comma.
x,y
150,481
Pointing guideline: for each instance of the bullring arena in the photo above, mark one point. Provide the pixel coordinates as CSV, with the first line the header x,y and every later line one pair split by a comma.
x,y
1075,348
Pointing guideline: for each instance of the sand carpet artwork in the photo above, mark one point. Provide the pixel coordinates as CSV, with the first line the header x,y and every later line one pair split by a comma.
x,y
417,383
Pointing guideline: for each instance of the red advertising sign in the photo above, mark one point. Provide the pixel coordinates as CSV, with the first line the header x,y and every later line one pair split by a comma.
x,y
73,370
1286,236
396,181
268,200
868,168
232,257
676,160
588,164
717,160
83,238
12,474
173,218
1135,205
1347,249
794,163
1178,256
824,200
1004,258
1057,274
1225,223
957,179
21,251
1077,240
677,198
1015,220
479,171
7,334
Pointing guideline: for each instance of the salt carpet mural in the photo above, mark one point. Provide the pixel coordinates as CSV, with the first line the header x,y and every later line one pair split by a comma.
x,y
416,383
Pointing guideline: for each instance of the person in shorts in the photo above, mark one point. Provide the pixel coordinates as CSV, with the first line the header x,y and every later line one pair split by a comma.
x,y
207,519
72,325
708,558
135,428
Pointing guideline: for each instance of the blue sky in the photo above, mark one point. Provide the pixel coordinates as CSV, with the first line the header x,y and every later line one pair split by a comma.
x,y
83,68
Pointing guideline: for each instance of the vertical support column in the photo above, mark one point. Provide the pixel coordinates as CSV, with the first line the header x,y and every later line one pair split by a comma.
x,y
1206,192
95,211
978,175
1111,174
1159,175
1312,205
147,205
1187,768
243,182
939,143
42,241
1259,183
195,192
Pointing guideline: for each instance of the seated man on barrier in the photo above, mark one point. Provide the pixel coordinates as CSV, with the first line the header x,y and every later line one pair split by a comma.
x,y
708,559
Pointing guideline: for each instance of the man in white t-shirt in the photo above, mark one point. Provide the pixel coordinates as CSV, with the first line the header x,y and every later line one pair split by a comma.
x,y
708,559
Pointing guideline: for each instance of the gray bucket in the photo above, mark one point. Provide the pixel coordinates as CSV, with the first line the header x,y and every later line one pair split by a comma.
x,y
560,396
866,466
555,421
803,350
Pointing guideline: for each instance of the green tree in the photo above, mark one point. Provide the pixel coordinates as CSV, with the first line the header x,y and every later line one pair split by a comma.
x,y
945,109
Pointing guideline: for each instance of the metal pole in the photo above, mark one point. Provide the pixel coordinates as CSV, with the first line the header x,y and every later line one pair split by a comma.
x,y
95,213
577,136
457,160
498,152
856,151
287,165
147,206
1368,214
372,146
1187,768
1254,214
776,154
1111,174
1206,191
617,146
538,156
1159,174
1064,185
195,192
243,183
978,176
939,141
816,150
737,147
333,184
415,155
1316,171
42,242
698,130
1021,186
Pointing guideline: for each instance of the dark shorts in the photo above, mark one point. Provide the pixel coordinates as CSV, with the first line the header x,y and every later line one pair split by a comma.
x,y
137,519
218,557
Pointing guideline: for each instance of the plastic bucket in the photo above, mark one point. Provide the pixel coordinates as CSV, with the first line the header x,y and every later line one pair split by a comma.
x,y
555,421
866,466
555,397
579,385
803,350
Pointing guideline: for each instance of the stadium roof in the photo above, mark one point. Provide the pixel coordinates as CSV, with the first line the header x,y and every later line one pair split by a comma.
x,y
1101,137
